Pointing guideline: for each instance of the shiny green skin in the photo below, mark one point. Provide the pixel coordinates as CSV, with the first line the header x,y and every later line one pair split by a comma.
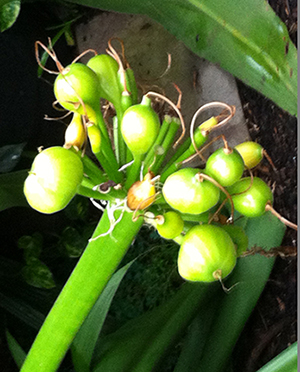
x,y
251,152
172,226
53,179
251,203
225,168
204,250
183,192
106,69
80,79
140,127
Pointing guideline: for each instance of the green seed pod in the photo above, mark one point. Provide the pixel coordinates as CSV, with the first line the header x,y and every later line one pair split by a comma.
x,y
207,254
94,135
75,133
251,152
226,166
169,225
132,85
140,127
184,192
53,179
106,69
141,194
250,201
77,82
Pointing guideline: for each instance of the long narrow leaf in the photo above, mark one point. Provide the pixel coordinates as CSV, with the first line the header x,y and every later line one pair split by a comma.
x,y
84,343
245,38
286,361
196,337
22,310
17,352
140,345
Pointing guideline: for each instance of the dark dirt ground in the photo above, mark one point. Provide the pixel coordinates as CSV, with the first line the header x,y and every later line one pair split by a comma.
x,y
273,324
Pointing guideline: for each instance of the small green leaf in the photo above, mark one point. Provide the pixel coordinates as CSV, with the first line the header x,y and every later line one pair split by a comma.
x,y
38,274
72,242
32,246
9,11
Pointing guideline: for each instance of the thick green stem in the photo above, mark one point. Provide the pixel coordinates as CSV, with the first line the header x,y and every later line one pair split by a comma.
x,y
116,138
92,171
97,264
101,123
187,149
109,164
166,145
177,164
110,196
161,135
120,141
133,171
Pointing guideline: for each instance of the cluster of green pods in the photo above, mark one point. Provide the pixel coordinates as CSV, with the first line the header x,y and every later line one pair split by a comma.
x,y
132,152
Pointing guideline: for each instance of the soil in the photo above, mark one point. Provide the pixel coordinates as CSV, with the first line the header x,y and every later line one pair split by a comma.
x,y
273,324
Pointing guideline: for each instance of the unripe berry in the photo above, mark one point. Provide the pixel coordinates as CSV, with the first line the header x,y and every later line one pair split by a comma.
x,y
170,225
207,254
75,83
251,152
140,127
184,192
251,200
53,179
226,166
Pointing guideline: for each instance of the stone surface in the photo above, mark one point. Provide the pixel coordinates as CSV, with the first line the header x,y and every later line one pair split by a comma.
x,y
147,45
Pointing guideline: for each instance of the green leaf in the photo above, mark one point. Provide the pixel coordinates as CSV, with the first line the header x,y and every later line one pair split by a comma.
x,y
11,190
17,352
142,342
22,310
37,274
286,361
72,242
195,339
245,38
84,343
32,246
9,11
64,30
